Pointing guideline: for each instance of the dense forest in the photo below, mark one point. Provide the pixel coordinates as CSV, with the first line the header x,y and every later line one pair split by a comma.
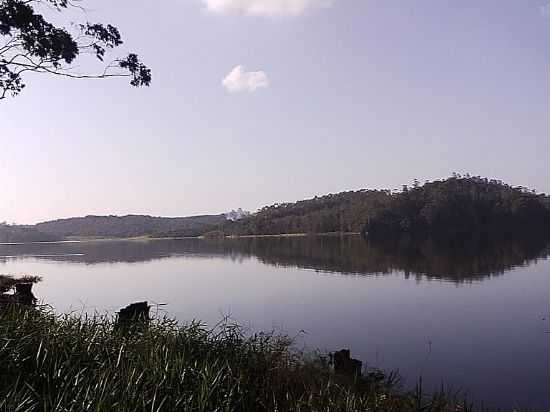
x,y
459,205
340,212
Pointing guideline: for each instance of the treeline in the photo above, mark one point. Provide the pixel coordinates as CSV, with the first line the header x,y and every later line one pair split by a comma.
x,y
459,205
130,226
341,212
24,234
110,227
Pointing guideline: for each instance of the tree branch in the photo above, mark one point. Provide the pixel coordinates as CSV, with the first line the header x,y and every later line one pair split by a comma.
x,y
36,45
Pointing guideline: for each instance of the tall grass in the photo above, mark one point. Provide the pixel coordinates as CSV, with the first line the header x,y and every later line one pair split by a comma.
x,y
52,362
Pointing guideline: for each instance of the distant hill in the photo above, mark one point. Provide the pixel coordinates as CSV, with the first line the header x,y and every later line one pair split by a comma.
x,y
130,226
455,206
24,234
459,205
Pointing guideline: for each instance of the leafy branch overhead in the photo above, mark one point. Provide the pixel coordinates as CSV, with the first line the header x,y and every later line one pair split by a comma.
x,y
31,43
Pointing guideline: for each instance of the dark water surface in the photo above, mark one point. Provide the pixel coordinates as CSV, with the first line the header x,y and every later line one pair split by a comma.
x,y
475,315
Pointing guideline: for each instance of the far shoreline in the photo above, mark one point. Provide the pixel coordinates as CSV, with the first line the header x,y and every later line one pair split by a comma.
x,y
74,239
291,235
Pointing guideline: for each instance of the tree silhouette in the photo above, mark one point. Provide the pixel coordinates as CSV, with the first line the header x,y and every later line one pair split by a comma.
x,y
31,43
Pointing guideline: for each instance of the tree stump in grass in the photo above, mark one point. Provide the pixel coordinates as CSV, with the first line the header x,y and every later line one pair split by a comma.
x,y
136,313
21,288
23,294
344,364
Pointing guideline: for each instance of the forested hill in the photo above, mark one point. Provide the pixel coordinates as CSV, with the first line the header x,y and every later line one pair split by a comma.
x,y
461,206
457,205
23,234
341,212
110,227
446,208
130,226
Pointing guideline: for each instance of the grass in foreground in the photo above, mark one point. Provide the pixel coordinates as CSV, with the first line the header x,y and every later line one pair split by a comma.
x,y
73,363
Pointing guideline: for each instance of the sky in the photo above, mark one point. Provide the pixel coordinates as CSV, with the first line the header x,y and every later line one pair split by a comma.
x,y
255,102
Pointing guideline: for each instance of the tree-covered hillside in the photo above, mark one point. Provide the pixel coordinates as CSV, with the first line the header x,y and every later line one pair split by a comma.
x,y
454,206
341,212
460,206
130,226
23,234
446,208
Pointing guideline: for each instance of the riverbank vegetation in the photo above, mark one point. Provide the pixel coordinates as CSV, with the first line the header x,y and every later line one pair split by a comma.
x,y
77,363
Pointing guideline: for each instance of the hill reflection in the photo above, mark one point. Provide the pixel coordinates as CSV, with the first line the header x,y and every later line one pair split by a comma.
x,y
471,259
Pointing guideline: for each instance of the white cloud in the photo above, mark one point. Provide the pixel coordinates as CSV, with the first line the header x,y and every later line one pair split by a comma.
x,y
268,8
239,80
545,10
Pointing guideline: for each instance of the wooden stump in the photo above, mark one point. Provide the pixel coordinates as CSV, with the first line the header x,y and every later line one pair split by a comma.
x,y
23,294
344,364
136,313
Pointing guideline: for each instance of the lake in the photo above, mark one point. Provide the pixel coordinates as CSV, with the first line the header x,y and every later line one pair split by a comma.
x,y
474,315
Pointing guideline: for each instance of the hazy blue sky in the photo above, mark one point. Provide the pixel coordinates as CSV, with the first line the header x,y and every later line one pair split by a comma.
x,y
324,96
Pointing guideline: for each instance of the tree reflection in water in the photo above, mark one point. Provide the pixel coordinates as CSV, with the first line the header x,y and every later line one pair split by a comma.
x,y
464,260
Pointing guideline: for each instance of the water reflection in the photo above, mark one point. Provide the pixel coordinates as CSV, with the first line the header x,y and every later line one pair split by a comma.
x,y
487,337
465,260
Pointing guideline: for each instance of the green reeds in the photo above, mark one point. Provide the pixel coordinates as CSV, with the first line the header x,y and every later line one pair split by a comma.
x,y
60,363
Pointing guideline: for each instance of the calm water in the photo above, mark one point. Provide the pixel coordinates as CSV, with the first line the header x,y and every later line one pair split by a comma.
x,y
476,315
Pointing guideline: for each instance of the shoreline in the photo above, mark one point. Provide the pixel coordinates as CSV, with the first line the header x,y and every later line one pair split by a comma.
x,y
293,235
75,239
278,376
